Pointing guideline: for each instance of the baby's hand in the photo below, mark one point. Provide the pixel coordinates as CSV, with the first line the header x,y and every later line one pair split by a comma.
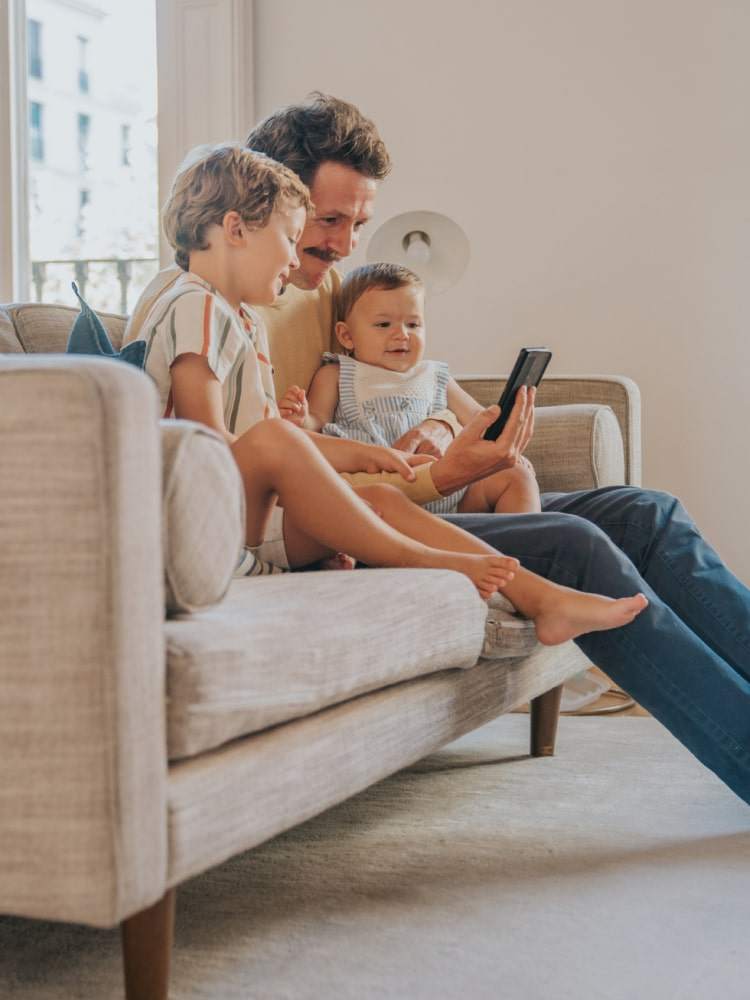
x,y
293,406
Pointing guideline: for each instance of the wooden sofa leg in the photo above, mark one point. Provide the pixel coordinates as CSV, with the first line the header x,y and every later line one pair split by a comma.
x,y
544,712
147,948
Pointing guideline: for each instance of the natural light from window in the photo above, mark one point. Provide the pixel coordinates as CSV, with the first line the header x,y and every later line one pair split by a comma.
x,y
92,154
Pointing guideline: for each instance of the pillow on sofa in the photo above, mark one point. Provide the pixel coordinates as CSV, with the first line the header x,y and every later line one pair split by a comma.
x,y
203,515
88,336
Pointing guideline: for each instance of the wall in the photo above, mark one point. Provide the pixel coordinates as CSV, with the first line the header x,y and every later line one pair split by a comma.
x,y
597,155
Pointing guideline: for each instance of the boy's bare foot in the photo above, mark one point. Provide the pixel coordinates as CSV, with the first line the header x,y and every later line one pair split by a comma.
x,y
570,613
340,561
487,573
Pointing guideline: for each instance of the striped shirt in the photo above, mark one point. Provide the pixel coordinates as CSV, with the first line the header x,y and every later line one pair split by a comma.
x,y
192,317
378,406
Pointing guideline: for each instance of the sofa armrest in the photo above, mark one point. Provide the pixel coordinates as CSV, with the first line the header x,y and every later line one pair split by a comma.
x,y
619,393
577,447
82,729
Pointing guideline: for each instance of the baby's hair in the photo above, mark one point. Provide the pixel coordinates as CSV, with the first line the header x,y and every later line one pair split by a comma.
x,y
215,180
369,276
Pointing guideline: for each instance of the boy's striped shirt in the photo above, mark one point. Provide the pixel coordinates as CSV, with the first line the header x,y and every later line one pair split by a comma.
x,y
192,317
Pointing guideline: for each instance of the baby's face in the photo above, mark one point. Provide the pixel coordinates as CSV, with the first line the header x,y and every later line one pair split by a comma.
x,y
386,328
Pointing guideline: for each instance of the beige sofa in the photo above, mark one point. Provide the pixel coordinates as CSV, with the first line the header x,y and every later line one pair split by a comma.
x,y
138,750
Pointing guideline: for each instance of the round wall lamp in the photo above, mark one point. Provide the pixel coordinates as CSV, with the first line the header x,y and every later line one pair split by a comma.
x,y
428,243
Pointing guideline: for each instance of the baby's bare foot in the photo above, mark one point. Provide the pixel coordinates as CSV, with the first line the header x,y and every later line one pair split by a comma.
x,y
572,613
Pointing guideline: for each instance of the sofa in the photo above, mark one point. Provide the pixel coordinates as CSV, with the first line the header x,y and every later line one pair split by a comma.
x,y
149,731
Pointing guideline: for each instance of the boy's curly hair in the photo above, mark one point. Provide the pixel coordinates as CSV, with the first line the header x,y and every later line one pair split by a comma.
x,y
362,279
215,180
302,136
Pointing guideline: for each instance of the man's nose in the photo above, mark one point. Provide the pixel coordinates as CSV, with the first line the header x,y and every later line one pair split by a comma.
x,y
343,240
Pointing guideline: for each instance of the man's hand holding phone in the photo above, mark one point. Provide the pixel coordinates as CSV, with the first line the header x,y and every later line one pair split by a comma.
x,y
472,456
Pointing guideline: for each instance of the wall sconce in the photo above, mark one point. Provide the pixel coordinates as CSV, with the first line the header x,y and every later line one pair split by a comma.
x,y
428,243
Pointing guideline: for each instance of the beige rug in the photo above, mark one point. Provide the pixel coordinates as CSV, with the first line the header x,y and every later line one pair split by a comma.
x,y
619,869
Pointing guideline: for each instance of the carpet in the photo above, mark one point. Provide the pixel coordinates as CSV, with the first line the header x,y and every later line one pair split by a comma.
x,y
618,869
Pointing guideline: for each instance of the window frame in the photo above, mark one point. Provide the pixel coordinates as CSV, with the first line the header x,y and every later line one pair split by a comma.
x,y
15,280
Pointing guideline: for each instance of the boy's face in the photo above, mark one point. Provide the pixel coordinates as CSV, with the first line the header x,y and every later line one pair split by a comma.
x,y
344,201
386,328
270,255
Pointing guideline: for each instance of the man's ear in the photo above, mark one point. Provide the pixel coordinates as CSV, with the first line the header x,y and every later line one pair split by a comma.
x,y
343,336
234,228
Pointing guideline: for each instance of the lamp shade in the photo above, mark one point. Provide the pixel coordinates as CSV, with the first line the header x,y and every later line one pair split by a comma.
x,y
428,243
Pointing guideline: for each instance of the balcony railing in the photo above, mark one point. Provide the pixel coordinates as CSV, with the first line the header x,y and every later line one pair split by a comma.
x,y
120,271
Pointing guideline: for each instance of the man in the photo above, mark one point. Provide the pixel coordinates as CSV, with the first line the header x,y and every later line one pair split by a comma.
x,y
687,657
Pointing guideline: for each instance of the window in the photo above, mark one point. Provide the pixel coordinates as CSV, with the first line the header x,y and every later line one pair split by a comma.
x,y
36,131
83,73
84,129
125,145
87,217
34,39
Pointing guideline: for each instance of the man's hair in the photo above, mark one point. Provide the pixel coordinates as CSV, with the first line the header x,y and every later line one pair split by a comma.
x,y
302,136
363,279
215,180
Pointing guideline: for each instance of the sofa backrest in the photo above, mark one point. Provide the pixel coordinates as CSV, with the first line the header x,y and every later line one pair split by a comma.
x,y
39,328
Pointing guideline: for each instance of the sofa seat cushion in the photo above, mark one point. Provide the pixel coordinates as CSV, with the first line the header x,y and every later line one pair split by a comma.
x,y
280,648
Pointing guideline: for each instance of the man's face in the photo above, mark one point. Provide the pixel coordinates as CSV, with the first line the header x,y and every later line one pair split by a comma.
x,y
343,200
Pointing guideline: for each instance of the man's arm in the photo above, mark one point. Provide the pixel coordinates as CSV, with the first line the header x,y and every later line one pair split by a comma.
x,y
470,457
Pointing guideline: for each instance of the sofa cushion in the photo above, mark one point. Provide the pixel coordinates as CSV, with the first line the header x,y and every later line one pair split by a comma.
x,y
203,515
89,336
283,647
44,329
577,446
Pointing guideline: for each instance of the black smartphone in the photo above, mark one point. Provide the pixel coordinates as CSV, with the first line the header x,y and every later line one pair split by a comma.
x,y
528,370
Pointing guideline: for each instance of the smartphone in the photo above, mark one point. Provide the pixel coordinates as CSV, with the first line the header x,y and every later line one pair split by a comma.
x,y
528,370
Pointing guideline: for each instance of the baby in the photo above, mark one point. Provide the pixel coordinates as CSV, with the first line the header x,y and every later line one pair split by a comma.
x,y
383,387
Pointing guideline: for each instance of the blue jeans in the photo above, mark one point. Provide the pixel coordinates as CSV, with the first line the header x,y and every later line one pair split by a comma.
x,y
686,658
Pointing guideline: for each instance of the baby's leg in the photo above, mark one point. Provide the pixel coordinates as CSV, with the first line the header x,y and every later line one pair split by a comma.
x,y
510,491
325,515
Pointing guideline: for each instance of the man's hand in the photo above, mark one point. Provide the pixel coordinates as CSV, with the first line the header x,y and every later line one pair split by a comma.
x,y
293,406
432,437
470,457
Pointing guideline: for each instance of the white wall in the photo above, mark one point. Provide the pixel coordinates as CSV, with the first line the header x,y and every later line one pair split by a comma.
x,y
597,154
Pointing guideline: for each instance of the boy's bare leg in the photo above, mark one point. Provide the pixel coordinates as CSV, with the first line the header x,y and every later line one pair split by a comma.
x,y
274,457
511,491
559,613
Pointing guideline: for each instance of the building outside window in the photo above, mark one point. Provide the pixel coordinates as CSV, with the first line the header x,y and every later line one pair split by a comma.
x,y
83,73
84,131
84,197
125,145
36,131
34,39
